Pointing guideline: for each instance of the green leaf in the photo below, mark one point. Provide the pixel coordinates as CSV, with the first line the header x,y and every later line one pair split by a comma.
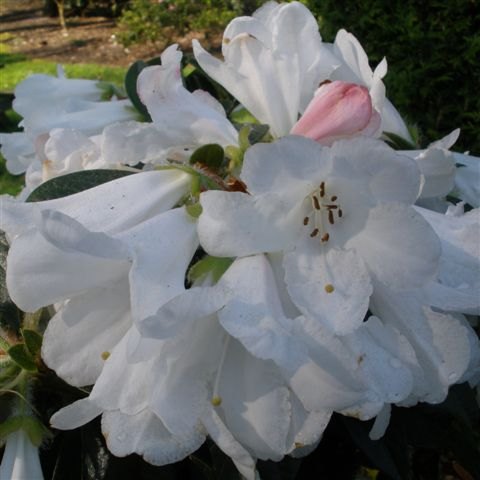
x,y
74,183
131,84
22,357
211,155
33,341
208,265
397,142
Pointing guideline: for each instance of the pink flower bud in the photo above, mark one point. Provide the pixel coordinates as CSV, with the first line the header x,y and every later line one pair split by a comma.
x,y
338,110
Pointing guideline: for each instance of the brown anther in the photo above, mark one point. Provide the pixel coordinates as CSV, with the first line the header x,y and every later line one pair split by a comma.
x,y
306,220
315,233
333,198
330,207
331,220
316,203
325,237
322,189
340,213
329,288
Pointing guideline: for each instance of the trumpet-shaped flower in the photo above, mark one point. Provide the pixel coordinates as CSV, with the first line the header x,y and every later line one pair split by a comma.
x,y
273,63
103,258
20,459
341,216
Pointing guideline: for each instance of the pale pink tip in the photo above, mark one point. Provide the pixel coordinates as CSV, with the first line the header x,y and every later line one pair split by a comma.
x,y
338,110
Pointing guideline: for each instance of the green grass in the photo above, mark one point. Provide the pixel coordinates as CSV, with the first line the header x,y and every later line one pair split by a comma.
x,y
16,68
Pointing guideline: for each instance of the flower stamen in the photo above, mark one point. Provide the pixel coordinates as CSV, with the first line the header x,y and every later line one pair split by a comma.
x,y
216,399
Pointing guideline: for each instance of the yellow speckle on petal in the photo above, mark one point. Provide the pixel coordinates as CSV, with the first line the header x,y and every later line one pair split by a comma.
x,y
329,288
105,355
216,401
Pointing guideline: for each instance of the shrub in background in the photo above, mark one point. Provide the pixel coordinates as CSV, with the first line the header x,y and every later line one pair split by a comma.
x,y
433,52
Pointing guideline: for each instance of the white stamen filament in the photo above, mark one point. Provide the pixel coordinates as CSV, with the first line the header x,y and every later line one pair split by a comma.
x,y
216,398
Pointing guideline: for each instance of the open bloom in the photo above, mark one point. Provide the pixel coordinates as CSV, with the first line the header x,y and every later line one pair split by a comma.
x,y
47,102
20,459
273,63
103,258
341,216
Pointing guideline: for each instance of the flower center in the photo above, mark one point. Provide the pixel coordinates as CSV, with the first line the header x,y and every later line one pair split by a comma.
x,y
325,211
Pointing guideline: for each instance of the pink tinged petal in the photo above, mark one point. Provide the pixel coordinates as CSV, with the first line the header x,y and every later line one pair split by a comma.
x,y
82,330
75,415
255,403
291,166
255,317
237,224
162,248
43,276
398,246
145,435
332,286
220,434
337,110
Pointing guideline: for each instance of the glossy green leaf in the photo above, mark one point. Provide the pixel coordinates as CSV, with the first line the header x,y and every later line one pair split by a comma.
x,y
211,155
33,341
73,183
22,357
131,84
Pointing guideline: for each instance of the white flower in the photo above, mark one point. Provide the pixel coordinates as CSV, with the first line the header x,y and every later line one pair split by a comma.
x,y
341,216
467,178
182,121
273,63
47,102
354,67
20,460
104,257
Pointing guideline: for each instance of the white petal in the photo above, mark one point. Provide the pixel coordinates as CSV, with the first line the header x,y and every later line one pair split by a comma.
x,y
399,247
467,178
75,415
255,317
381,423
84,328
162,248
255,403
18,150
330,285
228,444
145,434
237,224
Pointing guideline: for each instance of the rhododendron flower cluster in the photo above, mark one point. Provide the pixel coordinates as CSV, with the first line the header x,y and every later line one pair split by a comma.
x,y
210,277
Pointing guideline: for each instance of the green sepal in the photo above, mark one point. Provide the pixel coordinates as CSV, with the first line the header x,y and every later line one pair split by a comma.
x,y
35,430
75,182
22,357
397,142
241,115
211,155
208,265
243,140
194,210
33,341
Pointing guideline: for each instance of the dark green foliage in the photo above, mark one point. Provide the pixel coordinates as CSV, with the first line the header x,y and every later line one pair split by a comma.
x,y
433,50
73,183
146,20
